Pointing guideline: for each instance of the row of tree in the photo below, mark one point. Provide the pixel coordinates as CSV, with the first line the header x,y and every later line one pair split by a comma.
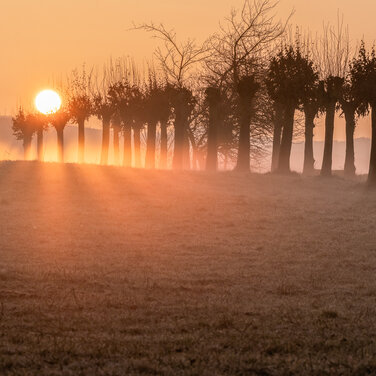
x,y
223,101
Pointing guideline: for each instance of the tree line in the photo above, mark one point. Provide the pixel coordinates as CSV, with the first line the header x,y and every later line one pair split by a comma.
x,y
222,102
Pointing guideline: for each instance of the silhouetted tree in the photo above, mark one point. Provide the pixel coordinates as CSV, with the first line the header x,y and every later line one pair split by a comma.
x,y
349,103
290,78
104,110
332,92
312,102
183,102
213,98
332,57
59,120
363,76
23,130
38,122
247,88
120,95
116,129
80,106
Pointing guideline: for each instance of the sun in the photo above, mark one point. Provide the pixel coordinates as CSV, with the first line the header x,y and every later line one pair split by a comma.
x,y
48,102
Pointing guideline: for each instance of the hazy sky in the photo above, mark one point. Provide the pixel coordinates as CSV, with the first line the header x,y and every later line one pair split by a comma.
x,y
40,39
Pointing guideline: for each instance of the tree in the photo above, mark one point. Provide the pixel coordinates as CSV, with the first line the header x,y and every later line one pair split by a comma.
x,y
247,88
59,120
23,130
183,102
213,98
80,106
290,79
104,110
312,102
38,122
332,56
349,103
240,49
363,76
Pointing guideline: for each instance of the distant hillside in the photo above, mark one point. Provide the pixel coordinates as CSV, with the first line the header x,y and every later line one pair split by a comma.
x,y
11,149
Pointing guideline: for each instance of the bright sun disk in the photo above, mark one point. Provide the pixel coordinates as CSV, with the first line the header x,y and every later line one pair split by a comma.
x,y
48,102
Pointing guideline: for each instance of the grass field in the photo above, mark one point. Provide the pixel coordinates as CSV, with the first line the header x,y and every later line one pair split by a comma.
x,y
107,271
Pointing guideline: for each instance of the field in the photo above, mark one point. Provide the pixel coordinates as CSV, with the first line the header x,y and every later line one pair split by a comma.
x,y
108,271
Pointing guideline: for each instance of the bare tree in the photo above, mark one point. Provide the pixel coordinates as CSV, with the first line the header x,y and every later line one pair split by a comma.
x,y
333,55
80,105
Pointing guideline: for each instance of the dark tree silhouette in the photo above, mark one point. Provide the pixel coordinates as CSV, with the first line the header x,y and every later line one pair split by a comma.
x,y
332,93
213,98
349,105
80,106
332,56
183,102
290,78
363,76
116,128
59,120
23,130
120,95
38,122
104,110
247,88
278,121
80,109
312,102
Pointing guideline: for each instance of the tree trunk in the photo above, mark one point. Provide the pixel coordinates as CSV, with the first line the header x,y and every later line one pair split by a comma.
x,y
116,129
179,126
163,149
40,145
150,145
277,132
349,168
309,161
137,146
243,163
286,142
60,145
105,140
127,155
27,146
372,164
81,141
212,152
326,169
186,151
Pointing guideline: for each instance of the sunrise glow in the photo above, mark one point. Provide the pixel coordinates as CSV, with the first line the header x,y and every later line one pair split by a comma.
x,y
48,102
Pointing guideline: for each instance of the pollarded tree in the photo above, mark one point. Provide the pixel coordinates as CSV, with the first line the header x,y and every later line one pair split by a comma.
x,y
119,95
103,109
59,120
290,77
80,106
363,77
247,88
332,56
332,93
164,115
213,99
350,104
183,103
311,102
39,123
23,130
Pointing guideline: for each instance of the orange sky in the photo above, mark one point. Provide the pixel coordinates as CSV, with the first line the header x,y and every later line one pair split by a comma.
x,y
40,39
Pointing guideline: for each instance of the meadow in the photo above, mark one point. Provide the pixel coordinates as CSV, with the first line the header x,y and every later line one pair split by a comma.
x,y
112,271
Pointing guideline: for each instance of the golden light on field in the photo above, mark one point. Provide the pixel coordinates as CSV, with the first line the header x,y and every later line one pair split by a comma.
x,y
48,102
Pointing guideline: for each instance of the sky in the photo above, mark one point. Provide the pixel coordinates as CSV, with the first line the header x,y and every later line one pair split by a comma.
x,y
45,39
